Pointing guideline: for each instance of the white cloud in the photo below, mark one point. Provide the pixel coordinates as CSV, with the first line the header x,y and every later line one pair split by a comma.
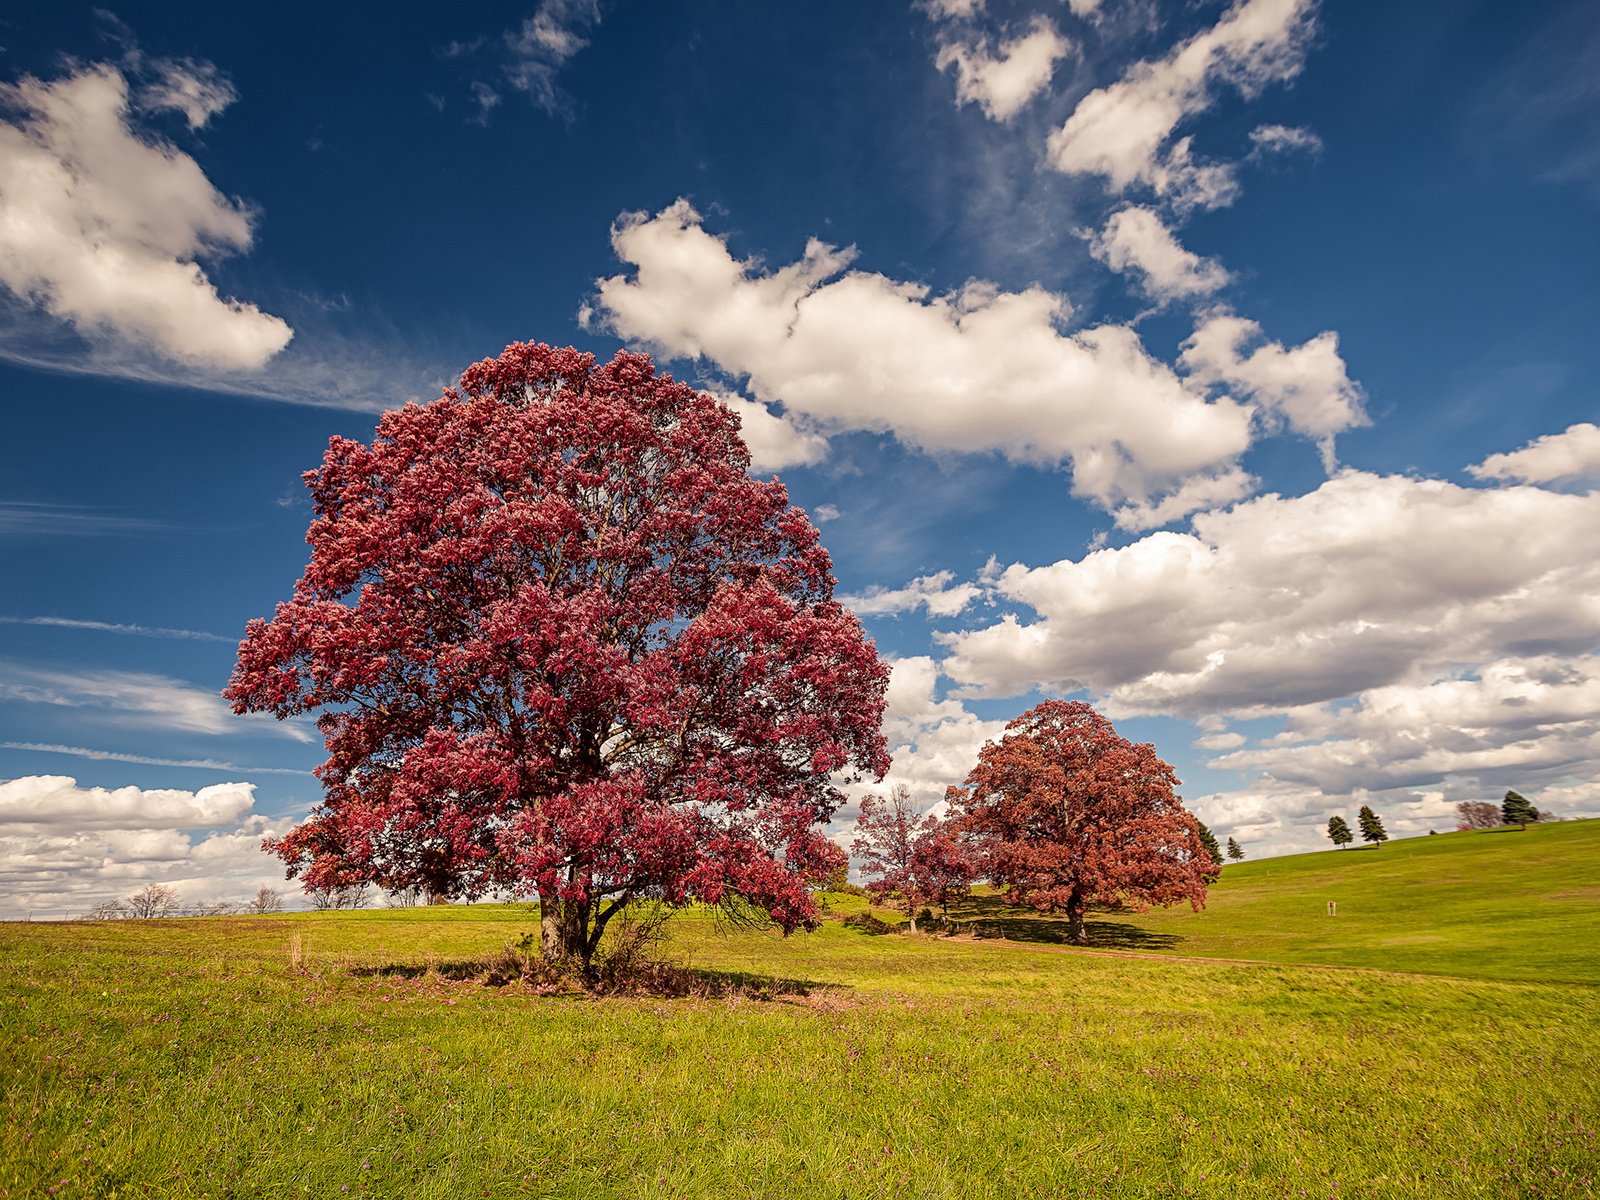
x,y
1513,722
951,10
1307,386
1573,454
930,592
1198,493
826,512
134,698
975,371
101,226
775,442
544,43
48,801
196,89
196,764
1002,84
934,742
65,848
149,631
1280,139
1136,239
1367,582
1121,132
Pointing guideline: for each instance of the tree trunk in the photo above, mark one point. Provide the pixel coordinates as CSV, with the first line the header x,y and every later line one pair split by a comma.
x,y
561,932
1076,933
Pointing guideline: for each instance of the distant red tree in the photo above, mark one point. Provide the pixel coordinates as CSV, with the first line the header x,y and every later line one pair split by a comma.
x,y
1477,814
942,867
563,645
1064,812
908,858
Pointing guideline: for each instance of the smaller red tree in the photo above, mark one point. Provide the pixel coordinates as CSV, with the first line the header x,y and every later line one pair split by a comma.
x,y
1477,814
908,858
1065,812
942,868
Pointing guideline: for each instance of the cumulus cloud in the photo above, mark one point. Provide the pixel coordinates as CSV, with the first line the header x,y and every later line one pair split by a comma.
x,y
979,370
1307,386
1122,132
1513,722
1571,455
41,801
775,442
133,698
65,848
1409,643
932,593
101,224
1367,582
1137,239
1001,83
934,742
1199,492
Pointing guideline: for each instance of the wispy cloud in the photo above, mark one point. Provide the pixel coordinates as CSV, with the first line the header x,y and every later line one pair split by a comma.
x,y
149,631
26,518
134,698
196,764
544,43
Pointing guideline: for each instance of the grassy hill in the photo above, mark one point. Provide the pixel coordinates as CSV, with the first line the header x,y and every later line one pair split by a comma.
x,y
1507,904
364,1054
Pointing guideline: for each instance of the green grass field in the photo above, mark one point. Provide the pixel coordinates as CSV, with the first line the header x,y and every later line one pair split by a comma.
x,y
1461,1057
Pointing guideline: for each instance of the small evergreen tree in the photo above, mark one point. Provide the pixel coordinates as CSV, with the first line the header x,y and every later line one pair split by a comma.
x,y
1339,832
1517,810
1235,851
1209,841
1371,827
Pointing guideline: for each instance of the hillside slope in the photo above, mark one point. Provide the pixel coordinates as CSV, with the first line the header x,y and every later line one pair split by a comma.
x,y
1488,905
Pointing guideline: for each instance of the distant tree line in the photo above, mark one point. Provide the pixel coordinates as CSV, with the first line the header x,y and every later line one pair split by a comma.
x,y
1515,809
157,900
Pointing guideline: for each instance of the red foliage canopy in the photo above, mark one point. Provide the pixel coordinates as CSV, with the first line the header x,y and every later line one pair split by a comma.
x,y
1066,812
562,644
907,857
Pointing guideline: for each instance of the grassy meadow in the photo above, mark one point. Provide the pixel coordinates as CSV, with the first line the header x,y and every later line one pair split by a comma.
x,y
1440,1037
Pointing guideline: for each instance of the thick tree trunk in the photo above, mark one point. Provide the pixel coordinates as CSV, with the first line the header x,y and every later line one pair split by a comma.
x,y
561,932
1076,933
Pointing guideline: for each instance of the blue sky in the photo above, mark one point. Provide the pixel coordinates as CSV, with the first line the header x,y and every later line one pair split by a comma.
x,y
1230,365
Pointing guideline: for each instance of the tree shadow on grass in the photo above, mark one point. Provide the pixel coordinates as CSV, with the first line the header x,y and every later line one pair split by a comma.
x,y
992,917
657,979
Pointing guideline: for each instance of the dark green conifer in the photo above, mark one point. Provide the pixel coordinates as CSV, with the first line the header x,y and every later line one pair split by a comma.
x,y
1339,832
1235,851
1517,810
1371,827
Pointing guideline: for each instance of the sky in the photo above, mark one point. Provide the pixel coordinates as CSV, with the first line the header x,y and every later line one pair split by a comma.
x,y
1227,365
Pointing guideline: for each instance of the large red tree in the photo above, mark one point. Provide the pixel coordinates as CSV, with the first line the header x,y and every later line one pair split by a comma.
x,y
562,644
1065,812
